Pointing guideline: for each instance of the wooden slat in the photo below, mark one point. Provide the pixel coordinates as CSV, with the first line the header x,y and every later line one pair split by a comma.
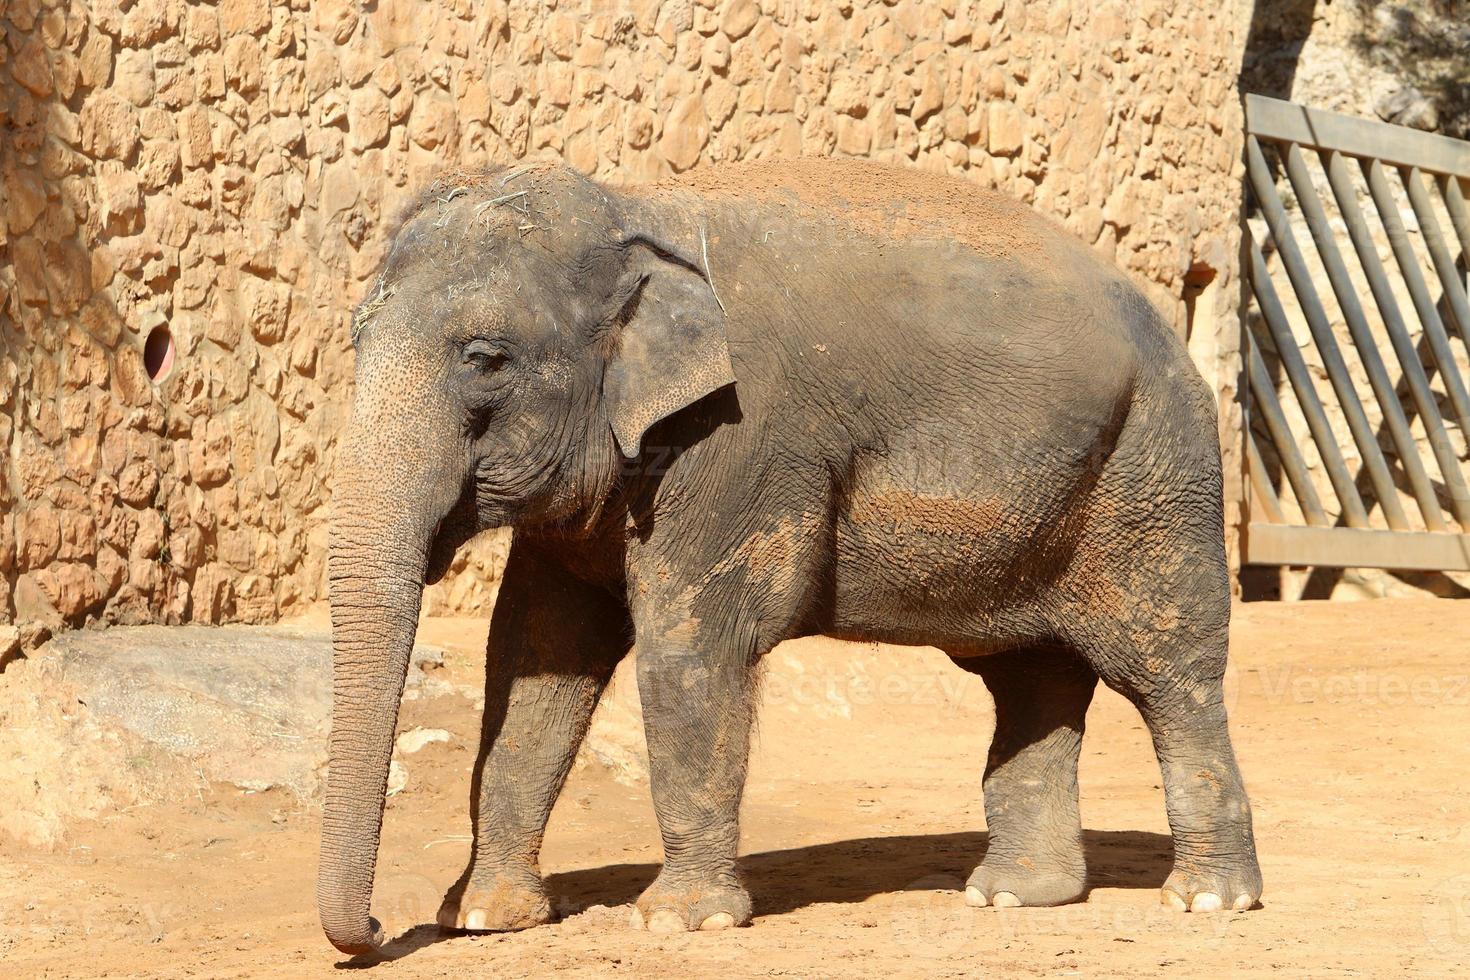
x,y
1454,203
1346,194
1321,328
1450,279
1262,493
1413,278
1347,547
1264,389
1398,145
1394,419
1300,377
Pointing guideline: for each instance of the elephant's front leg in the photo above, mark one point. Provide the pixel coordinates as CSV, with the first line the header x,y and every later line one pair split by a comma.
x,y
696,695
554,642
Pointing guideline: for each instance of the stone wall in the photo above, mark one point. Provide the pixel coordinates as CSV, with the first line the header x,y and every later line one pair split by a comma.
x,y
224,171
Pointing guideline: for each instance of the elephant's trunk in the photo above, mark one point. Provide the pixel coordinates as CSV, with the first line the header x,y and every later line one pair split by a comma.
x,y
385,507
376,588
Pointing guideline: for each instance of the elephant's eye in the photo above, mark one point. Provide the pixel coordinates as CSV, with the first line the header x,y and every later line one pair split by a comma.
x,y
484,355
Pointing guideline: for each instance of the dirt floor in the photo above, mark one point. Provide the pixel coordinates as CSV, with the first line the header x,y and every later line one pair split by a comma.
x,y
862,819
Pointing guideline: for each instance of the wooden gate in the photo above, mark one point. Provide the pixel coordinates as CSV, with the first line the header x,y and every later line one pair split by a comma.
x,y
1358,413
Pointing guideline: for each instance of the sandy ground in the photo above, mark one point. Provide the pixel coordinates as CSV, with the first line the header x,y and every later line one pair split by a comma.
x,y
862,819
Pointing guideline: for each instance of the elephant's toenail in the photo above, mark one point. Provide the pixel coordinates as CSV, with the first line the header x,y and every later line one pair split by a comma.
x,y
1243,902
475,919
1005,900
1171,900
975,898
665,920
1206,902
636,919
720,920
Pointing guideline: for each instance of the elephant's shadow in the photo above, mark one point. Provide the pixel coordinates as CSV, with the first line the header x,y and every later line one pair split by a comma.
x,y
855,870
841,871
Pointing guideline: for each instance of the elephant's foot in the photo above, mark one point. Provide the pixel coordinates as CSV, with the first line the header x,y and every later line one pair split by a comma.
x,y
1195,886
495,903
687,905
1008,883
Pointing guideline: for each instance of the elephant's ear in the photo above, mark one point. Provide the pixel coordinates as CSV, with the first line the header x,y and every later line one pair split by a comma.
x,y
670,350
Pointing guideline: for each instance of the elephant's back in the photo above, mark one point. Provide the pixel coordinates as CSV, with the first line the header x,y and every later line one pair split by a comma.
x,y
900,295
896,204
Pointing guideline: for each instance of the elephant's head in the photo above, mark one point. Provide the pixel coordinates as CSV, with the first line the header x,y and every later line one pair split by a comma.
x,y
526,330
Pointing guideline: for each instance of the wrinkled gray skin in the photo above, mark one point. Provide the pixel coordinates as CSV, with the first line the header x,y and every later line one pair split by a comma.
x,y
719,420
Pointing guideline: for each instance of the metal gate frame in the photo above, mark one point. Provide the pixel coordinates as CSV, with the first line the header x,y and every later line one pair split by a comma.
x,y
1349,541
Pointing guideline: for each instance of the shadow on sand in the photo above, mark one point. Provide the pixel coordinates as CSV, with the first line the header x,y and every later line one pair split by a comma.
x,y
842,872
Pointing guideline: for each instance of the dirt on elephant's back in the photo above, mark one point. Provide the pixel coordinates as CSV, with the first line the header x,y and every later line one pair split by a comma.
x,y
884,201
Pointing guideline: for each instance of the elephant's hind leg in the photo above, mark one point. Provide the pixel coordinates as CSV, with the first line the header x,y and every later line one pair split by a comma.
x,y
1154,622
1035,852
554,642
1178,689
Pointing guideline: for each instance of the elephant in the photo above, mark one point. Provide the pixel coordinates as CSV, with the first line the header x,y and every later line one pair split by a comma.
x,y
756,402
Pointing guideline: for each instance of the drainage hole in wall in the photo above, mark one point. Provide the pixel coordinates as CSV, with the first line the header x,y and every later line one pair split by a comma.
x,y
158,353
